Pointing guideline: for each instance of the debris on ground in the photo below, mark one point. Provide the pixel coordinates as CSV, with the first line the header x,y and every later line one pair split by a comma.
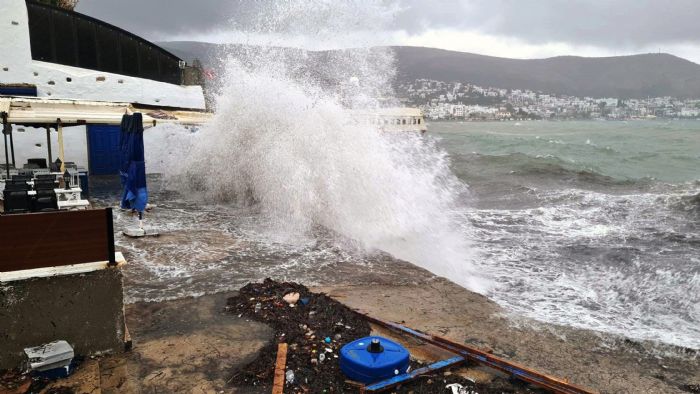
x,y
15,382
315,327
314,330
45,364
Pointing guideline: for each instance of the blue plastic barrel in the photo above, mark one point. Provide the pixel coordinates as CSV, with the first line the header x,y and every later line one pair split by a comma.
x,y
372,359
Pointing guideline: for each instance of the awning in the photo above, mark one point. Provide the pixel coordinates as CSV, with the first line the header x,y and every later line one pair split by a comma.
x,y
42,111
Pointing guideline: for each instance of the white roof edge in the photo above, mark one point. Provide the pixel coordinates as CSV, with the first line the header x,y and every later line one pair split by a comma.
x,y
28,110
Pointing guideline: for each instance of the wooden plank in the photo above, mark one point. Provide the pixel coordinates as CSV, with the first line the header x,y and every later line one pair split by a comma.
x,y
280,366
52,239
73,269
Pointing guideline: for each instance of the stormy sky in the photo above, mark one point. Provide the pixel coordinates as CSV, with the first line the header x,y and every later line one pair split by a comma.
x,y
508,28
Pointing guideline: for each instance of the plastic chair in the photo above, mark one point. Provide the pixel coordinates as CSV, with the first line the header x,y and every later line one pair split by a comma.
x,y
45,184
45,200
17,186
16,201
39,162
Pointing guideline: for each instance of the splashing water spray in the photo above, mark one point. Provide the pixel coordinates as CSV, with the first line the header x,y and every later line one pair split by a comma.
x,y
284,140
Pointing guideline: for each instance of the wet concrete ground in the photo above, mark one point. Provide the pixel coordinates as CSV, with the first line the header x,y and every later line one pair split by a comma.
x,y
184,346
602,363
190,345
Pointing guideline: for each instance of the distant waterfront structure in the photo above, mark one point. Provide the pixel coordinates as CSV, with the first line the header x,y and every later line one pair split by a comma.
x,y
466,101
395,119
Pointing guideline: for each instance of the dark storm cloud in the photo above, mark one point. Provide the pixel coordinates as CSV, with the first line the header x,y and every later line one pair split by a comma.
x,y
159,19
603,23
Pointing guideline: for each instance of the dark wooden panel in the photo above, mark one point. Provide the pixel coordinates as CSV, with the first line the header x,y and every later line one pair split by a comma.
x,y
70,38
52,239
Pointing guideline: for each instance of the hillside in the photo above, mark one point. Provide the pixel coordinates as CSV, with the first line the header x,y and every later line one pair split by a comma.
x,y
635,76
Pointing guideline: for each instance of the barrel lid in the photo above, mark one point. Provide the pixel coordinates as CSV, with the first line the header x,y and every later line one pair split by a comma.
x,y
357,356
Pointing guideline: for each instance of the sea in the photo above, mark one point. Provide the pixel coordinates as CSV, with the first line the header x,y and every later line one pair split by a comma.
x,y
592,224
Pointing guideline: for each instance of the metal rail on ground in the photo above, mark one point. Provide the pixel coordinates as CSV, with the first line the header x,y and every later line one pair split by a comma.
x,y
407,377
556,385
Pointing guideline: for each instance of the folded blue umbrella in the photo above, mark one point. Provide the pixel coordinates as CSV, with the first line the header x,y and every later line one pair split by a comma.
x,y
133,167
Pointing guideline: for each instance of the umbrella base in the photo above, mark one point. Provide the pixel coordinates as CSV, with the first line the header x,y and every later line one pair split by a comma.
x,y
139,233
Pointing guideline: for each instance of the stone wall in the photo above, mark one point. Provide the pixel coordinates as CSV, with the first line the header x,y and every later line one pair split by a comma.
x,y
84,309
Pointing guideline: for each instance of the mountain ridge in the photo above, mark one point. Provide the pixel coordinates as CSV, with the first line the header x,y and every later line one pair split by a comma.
x,y
629,76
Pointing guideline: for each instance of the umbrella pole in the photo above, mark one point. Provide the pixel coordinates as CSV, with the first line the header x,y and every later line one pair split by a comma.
x,y
48,143
7,158
5,126
59,127
12,149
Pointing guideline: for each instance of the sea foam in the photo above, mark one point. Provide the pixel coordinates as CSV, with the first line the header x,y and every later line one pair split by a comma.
x,y
285,140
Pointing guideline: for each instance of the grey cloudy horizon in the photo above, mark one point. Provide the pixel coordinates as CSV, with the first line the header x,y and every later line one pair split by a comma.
x,y
508,28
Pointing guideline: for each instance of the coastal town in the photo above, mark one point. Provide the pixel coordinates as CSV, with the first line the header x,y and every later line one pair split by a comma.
x,y
465,101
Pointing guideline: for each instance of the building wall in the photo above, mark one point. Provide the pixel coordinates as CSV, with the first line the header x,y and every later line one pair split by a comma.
x,y
59,81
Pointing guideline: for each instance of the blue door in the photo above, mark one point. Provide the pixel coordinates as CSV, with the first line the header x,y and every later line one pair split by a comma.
x,y
104,149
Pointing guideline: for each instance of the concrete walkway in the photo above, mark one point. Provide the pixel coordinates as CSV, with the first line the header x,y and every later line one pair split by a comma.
x,y
182,346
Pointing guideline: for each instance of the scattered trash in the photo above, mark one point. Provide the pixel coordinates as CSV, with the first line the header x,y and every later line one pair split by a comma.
x,y
53,355
55,373
44,364
306,329
457,388
291,298
289,376
258,307
327,340
14,382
